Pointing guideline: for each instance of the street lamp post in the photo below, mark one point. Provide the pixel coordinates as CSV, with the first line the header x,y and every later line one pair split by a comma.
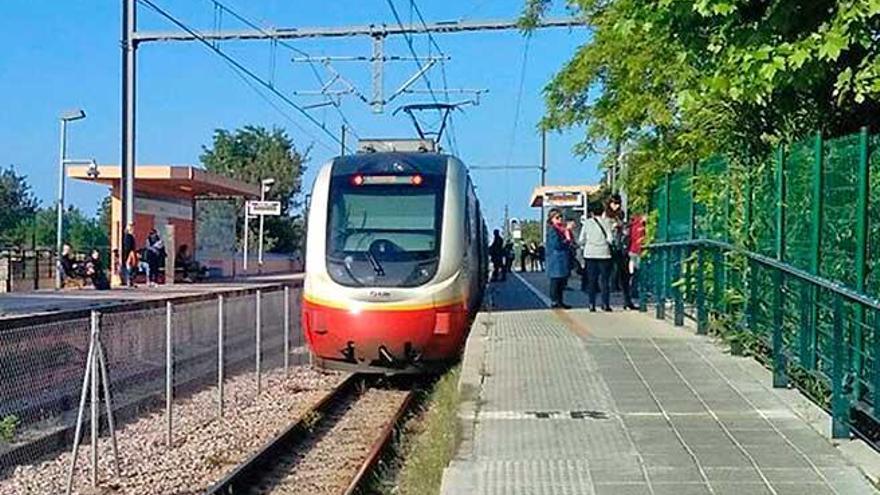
x,y
66,117
265,185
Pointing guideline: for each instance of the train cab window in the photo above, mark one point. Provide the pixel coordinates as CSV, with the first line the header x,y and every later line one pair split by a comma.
x,y
384,235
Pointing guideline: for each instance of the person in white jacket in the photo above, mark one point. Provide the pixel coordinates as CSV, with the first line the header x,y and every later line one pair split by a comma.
x,y
595,241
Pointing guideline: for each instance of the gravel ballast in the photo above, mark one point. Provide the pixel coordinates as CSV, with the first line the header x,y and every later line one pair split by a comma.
x,y
204,449
340,444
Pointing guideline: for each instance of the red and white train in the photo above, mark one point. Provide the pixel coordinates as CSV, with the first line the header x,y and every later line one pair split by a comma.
x,y
396,261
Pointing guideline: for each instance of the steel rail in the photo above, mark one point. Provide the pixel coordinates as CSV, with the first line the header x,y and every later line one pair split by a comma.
x,y
379,446
240,477
265,459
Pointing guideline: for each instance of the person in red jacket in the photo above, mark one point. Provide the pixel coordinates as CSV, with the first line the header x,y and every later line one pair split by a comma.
x,y
636,238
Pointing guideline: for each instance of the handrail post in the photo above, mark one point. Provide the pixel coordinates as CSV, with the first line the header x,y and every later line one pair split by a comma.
x,y
659,284
862,199
717,280
839,403
805,351
259,345
701,293
286,312
779,376
816,241
676,289
642,283
169,371
752,301
220,344
780,379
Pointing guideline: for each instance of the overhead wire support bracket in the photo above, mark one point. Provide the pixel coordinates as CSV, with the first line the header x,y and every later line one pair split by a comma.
x,y
371,30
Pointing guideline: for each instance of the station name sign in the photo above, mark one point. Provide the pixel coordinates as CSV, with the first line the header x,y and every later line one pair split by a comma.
x,y
563,199
264,208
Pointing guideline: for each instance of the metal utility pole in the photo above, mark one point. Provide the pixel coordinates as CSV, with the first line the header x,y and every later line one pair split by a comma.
x,y
129,60
342,140
543,181
62,164
265,184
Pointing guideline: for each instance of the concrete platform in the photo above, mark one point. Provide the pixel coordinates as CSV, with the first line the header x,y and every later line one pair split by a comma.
x,y
18,304
572,402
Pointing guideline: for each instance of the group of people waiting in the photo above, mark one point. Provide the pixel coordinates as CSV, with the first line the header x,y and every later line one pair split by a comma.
x,y
503,255
146,260
611,251
90,270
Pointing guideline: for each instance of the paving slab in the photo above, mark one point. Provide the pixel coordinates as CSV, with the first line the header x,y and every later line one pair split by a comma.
x,y
576,402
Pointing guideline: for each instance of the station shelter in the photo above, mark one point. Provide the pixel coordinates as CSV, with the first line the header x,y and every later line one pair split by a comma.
x,y
165,199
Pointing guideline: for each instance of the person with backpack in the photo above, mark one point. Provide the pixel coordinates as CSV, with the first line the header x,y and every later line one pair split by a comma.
x,y
595,240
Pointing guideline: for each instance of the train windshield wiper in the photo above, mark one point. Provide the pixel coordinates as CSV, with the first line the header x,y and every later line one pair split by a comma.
x,y
377,267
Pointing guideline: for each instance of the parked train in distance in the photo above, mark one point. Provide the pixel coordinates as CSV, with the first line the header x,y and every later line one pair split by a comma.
x,y
396,261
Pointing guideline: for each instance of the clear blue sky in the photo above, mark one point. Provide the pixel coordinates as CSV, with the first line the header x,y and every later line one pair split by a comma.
x,y
60,55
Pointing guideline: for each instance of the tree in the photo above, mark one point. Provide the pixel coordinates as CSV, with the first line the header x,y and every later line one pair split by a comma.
x,y
17,206
81,232
531,231
252,154
673,82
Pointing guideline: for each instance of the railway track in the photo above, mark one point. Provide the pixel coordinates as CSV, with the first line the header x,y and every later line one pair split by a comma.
x,y
328,450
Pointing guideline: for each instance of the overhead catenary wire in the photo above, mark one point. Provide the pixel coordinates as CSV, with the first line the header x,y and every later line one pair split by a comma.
x,y
285,44
244,70
452,138
412,50
516,113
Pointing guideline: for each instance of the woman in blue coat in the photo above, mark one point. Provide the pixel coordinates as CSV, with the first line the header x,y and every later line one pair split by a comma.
x,y
558,257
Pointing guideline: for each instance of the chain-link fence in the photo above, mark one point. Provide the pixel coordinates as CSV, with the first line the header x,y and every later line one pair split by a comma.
x,y
146,356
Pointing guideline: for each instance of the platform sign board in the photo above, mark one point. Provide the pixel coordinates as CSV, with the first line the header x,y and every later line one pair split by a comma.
x,y
563,199
264,208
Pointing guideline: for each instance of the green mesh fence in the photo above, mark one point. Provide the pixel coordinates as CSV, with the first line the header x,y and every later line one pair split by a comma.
x,y
807,199
741,205
838,246
798,203
680,206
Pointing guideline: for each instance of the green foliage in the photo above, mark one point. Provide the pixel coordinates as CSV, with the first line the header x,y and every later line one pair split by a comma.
x,y
8,425
81,232
17,202
531,231
673,82
252,154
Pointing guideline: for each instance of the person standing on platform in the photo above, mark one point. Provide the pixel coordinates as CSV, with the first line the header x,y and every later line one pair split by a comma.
x,y
595,240
128,263
636,238
558,258
496,254
155,253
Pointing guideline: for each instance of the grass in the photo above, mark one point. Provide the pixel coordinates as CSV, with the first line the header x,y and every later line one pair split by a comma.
x,y
426,444
8,425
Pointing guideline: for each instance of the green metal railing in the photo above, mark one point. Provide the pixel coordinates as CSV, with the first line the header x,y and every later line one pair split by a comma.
x,y
808,325
782,253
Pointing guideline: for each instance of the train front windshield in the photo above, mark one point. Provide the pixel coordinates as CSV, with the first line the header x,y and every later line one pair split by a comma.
x,y
384,231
